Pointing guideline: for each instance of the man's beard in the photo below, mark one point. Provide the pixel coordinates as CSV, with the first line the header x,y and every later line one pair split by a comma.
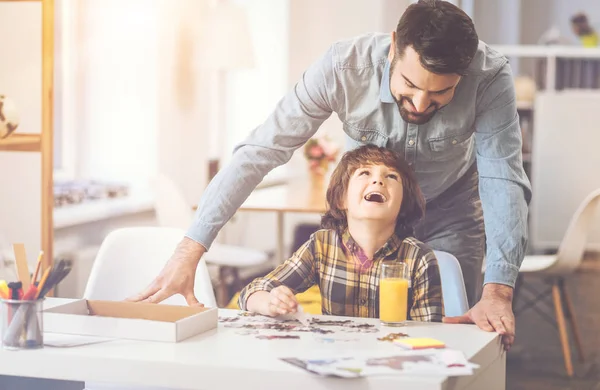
x,y
411,117
407,116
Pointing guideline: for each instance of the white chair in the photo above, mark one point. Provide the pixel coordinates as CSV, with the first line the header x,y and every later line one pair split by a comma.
x,y
453,285
173,211
553,269
128,260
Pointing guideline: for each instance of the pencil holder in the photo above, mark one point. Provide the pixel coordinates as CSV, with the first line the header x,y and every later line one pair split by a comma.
x,y
22,324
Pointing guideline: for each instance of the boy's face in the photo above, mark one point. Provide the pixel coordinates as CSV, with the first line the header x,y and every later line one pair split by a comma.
x,y
374,193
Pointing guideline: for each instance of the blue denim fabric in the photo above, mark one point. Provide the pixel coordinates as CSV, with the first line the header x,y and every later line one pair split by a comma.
x,y
479,126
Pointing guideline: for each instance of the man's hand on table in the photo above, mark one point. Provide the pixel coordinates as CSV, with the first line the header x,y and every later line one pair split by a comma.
x,y
492,313
177,276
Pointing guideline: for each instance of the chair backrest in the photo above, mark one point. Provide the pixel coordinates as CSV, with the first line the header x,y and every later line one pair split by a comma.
x,y
453,285
171,208
572,247
130,258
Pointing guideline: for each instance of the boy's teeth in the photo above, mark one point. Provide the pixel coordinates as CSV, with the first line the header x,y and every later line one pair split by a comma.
x,y
381,197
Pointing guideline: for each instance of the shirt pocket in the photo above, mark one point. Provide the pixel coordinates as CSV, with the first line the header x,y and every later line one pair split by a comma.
x,y
357,136
450,146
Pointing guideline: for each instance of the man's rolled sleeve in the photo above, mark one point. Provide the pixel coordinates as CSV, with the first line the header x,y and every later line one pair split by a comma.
x,y
504,188
296,118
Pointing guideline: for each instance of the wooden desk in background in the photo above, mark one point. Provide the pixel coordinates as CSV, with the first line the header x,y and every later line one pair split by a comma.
x,y
296,197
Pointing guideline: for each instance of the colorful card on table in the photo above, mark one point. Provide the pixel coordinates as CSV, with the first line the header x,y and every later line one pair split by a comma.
x,y
419,343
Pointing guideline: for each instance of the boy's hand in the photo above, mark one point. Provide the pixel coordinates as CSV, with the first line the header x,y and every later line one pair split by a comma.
x,y
281,301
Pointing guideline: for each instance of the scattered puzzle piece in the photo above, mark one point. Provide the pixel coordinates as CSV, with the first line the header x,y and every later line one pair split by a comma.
x,y
392,336
277,336
228,319
316,321
248,314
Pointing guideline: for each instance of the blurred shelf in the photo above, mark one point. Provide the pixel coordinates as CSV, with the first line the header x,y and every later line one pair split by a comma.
x,y
540,51
21,142
524,105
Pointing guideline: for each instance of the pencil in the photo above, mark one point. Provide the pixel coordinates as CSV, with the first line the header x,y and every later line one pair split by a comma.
x,y
37,267
43,281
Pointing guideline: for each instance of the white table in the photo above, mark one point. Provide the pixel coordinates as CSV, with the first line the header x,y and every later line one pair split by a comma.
x,y
223,359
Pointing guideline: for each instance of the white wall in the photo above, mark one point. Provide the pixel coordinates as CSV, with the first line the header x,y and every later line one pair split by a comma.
x,y
498,21
253,93
183,97
119,118
536,18
20,78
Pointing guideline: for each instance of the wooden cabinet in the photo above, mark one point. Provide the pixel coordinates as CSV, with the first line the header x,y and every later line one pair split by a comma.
x,y
43,142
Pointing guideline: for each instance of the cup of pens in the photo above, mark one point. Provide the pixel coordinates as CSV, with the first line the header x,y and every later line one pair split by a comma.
x,y
22,323
21,304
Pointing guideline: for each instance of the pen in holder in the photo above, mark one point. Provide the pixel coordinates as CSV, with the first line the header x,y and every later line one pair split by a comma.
x,y
22,314
22,324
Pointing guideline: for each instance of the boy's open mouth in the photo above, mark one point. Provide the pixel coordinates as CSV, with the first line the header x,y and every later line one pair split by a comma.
x,y
376,197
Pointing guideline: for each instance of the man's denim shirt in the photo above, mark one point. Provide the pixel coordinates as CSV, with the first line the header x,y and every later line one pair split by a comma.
x,y
480,125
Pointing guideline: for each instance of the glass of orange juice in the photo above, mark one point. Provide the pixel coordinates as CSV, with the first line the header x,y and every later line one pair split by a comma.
x,y
393,293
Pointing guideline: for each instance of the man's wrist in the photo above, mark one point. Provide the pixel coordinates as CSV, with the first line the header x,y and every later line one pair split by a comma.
x,y
189,251
497,290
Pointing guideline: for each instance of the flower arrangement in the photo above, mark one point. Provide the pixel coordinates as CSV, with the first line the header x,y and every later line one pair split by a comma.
x,y
320,152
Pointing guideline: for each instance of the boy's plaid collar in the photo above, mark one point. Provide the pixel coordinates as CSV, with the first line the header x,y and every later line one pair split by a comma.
x,y
390,247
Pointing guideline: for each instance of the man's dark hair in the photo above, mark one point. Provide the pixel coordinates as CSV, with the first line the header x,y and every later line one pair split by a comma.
x,y
442,34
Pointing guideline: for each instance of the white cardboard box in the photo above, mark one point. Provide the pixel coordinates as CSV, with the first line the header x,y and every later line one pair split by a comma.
x,y
129,320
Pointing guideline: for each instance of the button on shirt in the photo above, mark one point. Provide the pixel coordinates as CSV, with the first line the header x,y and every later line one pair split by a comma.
x,y
479,126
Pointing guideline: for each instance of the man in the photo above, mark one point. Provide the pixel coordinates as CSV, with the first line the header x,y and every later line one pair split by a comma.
x,y
436,94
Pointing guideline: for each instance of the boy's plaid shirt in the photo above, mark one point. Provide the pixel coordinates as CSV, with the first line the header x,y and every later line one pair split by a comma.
x,y
349,289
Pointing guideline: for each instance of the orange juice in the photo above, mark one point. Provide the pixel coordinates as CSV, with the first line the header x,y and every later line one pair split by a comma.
x,y
393,300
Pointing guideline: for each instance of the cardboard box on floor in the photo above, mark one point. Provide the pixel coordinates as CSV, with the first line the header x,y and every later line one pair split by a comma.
x,y
129,320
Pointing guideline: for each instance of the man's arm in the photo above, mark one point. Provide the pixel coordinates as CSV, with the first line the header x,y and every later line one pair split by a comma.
x,y
505,193
296,118
504,188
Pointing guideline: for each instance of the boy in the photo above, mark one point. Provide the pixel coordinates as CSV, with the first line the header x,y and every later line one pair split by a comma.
x,y
374,202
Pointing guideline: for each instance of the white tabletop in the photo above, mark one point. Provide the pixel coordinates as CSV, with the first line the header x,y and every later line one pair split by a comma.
x,y
224,359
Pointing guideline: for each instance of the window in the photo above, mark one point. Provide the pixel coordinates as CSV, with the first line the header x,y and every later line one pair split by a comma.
x,y
105,90
64,92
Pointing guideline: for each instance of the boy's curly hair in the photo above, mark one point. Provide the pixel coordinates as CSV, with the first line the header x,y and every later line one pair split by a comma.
x,y
413,202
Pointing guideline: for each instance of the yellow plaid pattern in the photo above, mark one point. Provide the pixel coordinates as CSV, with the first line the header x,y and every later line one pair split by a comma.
x,y
330,261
